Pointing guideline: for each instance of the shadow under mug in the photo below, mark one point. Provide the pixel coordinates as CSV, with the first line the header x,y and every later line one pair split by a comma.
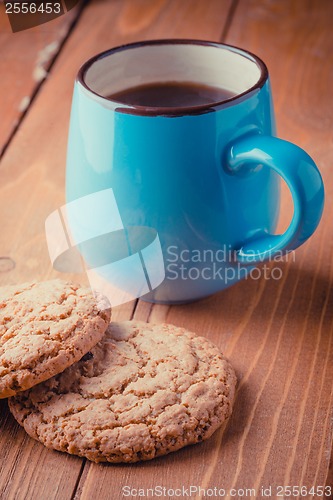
x,y
206,177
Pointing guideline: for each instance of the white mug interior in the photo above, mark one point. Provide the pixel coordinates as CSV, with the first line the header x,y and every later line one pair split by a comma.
x,y
210,64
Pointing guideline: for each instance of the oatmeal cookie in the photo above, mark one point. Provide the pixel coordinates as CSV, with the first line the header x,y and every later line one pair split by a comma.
x,y
44,328
143,391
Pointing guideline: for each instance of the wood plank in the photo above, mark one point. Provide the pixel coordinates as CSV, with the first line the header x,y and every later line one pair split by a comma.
x,y
281,344
27,469
35,176
278,334
25,58
32,185
297,48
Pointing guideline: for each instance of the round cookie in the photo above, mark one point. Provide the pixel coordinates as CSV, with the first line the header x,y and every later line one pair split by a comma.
x,y
143,391
44,328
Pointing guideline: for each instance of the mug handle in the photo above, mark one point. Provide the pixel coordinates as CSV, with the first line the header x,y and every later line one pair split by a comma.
x,y
302,176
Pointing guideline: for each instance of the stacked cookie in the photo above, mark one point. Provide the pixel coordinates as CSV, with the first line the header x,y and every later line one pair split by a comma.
x,y
118,392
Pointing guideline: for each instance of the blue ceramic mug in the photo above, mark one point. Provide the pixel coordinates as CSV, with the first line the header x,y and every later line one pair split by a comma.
x,y
205,177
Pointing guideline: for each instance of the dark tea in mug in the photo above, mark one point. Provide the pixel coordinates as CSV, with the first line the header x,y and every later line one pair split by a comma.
x,y
171,95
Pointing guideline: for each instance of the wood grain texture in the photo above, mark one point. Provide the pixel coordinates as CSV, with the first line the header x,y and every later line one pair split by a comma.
x,y
277,333
302,76
25,58
32,174
27,469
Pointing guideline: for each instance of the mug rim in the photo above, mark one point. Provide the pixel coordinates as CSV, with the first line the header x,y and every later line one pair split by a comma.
x,y
136,109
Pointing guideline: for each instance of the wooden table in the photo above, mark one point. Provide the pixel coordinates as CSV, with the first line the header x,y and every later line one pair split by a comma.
x,y
277,333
